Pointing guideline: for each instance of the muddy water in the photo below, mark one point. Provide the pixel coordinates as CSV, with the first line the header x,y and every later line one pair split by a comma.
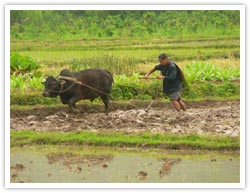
x,y
79,165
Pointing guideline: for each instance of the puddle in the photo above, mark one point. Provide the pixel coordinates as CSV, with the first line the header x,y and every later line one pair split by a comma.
x,y
61,164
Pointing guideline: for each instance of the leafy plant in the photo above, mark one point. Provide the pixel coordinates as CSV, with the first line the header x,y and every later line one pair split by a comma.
x,y
20,64
23,83
207,71
35,83
18,83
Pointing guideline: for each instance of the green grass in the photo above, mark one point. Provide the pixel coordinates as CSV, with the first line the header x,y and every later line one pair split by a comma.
x,y
167,141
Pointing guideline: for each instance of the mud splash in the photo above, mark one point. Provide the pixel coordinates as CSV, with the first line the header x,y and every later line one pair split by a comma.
x,y
222,118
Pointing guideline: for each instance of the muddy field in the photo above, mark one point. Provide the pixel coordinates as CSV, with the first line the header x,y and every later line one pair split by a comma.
x,y
201,117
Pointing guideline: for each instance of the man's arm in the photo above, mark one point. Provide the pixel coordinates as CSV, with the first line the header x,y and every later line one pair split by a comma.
x,y
150,72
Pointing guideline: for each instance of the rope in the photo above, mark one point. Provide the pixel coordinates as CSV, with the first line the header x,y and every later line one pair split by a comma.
x,y
142,77
79,82
62,91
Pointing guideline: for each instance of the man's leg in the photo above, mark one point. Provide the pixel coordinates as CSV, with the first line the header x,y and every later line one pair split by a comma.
x,y
176,104
182,105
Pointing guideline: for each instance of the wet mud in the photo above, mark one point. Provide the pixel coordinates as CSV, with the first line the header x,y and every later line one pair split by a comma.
x,y
222,118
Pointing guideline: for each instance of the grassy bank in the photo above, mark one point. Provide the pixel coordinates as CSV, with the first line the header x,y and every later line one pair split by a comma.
x,y
149,140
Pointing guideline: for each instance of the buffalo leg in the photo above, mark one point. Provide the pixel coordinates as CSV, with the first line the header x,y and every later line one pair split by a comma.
x,y
105,100
72,103
73,108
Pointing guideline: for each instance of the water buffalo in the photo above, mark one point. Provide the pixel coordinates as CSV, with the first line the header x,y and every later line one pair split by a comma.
x,y
96,83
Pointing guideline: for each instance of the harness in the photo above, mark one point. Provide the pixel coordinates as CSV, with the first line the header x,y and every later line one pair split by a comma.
x,y
75,81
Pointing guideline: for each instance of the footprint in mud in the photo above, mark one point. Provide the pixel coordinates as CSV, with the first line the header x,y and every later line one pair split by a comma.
x,y
142,175
18,167
78,169
14,176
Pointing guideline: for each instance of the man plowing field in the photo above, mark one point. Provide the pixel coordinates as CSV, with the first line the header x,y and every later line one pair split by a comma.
x,y
172,77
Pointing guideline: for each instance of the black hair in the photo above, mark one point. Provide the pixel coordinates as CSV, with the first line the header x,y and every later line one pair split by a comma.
x,y
163,56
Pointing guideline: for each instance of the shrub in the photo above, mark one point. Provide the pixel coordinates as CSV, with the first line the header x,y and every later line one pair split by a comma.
x,y
20,64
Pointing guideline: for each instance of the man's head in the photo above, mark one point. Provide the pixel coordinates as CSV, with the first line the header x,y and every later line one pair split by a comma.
x,y
163,59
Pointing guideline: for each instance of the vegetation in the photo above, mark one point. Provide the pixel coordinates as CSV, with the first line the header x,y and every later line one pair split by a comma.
x,y
170,141
197,85
117,65
23,83
22,64
54,25
208,71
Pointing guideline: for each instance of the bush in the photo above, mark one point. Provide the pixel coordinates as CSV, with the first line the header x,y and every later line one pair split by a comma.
x,y
20,64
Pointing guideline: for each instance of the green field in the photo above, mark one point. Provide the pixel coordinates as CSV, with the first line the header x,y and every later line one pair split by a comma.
x,y
127,43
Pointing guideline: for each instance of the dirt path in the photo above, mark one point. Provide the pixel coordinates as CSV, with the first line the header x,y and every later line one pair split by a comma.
x,y
201,117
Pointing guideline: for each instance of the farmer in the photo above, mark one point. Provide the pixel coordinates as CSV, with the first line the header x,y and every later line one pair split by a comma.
x,y
172,77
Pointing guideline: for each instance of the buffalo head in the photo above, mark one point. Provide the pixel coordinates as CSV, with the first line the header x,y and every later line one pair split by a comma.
x,y
52,86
